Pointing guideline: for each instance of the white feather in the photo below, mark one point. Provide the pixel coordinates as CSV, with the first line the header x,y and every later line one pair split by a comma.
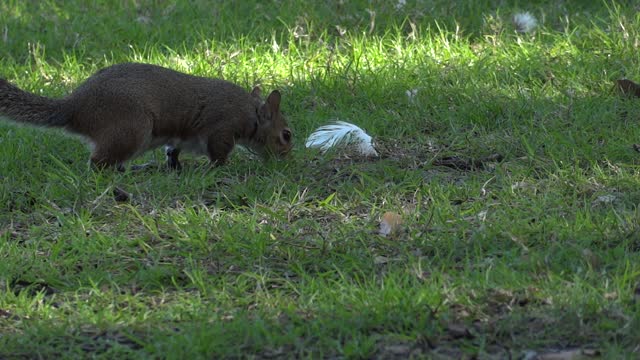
x,y
524,22
411,95
401,4
341,133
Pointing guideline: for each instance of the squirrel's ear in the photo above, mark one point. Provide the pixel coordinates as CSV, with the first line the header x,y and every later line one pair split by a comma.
x,y
256,92
273,101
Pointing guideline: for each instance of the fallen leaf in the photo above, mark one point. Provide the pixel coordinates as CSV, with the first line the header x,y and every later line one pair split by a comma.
x,y
573,354
390,224
518,241
398,349
604,200
6,314
628,87
493,158
460,311
454,162
500,296
522,185
592,259
271,353
468,164
143,19
459,331
120,195
482,215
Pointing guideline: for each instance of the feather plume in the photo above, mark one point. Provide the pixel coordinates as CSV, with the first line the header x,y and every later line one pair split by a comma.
x,y
341,133
524,22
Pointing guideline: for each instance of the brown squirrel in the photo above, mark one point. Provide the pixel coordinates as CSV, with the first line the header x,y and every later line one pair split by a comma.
x,y
126,109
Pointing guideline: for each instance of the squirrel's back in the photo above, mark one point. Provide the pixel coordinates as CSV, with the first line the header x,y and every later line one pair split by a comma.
x,y
147,80
176,101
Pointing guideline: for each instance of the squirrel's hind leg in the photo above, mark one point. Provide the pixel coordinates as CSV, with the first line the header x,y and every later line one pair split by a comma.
x,y
172,157
112,148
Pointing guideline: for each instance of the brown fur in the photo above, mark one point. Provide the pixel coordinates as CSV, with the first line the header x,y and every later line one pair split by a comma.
x,y
127,109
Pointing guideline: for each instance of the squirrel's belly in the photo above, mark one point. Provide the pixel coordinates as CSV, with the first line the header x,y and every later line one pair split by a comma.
x,y
193,145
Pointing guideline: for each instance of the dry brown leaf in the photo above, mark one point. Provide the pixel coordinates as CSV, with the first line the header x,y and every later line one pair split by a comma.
x,y
573,354
591,352
120,195
459,331
398,349
607,199
501,295
522,185
628,88
467,164
592,259
390,224
480,216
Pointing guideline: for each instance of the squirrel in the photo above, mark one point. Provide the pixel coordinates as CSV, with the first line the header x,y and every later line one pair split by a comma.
x,y
126,109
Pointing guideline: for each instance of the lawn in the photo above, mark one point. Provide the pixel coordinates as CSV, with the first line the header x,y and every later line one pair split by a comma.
x,y
507,155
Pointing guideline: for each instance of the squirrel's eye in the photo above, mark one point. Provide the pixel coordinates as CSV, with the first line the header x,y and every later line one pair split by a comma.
x,y
286,135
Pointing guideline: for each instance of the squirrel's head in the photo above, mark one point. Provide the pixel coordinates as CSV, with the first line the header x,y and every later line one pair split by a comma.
x,y
273,136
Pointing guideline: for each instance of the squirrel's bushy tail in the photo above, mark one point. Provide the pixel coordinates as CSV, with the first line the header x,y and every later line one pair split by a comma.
x,y
22,106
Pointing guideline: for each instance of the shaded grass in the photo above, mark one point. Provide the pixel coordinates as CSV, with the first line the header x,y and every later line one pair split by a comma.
x,y
536,251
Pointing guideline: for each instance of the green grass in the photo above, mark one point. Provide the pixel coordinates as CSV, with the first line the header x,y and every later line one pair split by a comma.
x,y
539,251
